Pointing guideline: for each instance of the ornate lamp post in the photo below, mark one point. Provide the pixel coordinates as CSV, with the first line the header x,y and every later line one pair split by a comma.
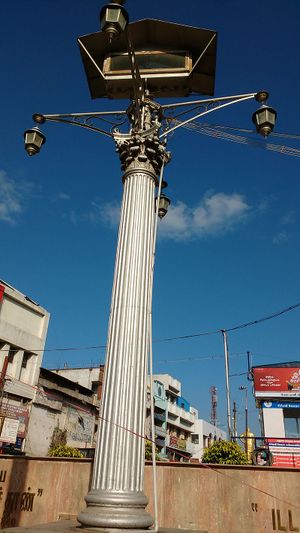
x,y
152,67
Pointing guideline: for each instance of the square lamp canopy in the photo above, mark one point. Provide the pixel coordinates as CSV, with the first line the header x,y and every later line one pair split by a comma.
x,y
173,59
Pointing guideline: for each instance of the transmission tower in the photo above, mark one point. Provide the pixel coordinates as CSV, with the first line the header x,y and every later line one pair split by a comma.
x,y
214,403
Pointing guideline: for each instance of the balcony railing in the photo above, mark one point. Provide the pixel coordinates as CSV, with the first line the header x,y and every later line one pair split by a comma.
x,y
160,416
159,431
186,419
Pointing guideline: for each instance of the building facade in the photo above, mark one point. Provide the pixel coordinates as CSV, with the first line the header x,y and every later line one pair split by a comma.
x,y
90,378
205,434
277,393
23,330
61,406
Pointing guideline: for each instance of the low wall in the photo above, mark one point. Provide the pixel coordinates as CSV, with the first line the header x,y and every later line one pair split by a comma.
x,y
220,499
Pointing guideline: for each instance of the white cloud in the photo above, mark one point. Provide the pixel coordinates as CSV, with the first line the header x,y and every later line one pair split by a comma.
x,y
280,237
288,218
63,196
11,197
216,213
108,213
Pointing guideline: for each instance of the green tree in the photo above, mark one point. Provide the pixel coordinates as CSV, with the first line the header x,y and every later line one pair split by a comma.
x,y
225,453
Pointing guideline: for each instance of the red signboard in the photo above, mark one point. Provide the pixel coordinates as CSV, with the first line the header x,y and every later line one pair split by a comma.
x,y
286,452
1,292
277,381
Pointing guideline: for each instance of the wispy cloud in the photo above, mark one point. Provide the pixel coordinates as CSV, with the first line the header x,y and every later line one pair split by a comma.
x,y
63,196
108,213
12,197
288,218
280,237
215,214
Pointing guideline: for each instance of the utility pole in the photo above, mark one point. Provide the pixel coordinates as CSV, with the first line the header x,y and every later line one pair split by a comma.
x,y
246,418
234,420
224,333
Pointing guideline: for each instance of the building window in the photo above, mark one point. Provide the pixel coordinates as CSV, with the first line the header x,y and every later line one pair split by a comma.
x,y
195,438
291,423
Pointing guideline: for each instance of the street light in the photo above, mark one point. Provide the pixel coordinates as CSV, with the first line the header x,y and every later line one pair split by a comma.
x,y
265,117
162,202
33,140
149,59
113,19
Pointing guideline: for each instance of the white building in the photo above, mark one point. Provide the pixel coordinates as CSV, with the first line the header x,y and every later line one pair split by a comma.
x,y
89,377
23,330
204,435
187,435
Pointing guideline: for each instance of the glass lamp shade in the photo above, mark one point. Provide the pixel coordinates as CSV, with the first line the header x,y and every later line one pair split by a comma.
x,y
33,139
113,20
264,119
163,205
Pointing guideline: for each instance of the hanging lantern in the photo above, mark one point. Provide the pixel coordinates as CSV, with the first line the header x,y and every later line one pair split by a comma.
x,y
113,19
163,205
33,139
264,119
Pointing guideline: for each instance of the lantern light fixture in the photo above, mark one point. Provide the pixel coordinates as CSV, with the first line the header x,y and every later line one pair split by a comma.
x,y
163,202
34,139
113,19
264,118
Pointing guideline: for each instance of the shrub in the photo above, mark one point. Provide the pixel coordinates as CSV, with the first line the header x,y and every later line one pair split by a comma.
x,y
225,453
65,451
148,451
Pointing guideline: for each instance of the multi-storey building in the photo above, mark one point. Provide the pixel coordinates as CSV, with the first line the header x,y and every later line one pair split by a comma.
x,y
180,419
61,407
160,416
89,377
23,330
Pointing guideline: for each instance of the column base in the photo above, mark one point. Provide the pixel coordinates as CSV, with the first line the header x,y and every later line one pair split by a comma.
x,y
115,511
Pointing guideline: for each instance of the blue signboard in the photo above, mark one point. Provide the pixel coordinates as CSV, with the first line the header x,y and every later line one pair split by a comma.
x,y
281,405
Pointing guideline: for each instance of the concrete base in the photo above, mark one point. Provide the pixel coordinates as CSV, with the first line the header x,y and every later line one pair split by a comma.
x,y
72,526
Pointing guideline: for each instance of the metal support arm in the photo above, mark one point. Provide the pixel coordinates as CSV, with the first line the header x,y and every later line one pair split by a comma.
x,y
232,100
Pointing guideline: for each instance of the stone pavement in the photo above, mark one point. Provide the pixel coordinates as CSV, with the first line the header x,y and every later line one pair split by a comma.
x,y
72,526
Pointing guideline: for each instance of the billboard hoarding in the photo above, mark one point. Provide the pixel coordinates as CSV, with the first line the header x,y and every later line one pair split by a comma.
x,y
277,382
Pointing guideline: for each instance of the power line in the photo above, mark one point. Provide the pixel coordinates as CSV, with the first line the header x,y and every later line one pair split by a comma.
x,y
213,131
181,337
234,328
203,358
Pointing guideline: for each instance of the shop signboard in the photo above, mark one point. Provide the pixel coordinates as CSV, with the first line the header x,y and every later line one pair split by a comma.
x,y
286,452
9,430
277,382
19,413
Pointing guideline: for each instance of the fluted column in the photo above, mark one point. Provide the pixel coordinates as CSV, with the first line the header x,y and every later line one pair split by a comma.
x,y
116,500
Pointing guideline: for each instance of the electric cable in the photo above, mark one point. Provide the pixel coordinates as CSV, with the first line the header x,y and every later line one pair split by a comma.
x,y
179,337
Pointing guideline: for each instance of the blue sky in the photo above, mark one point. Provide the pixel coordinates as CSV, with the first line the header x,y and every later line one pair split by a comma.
x,y
228,251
